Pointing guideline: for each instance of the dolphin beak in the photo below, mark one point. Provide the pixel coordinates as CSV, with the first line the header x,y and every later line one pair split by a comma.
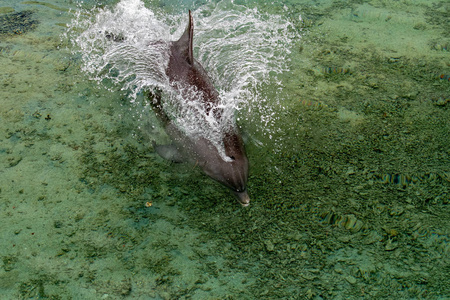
x,y
242,197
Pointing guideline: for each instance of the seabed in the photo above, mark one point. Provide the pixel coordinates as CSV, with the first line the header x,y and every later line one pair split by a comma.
x,y
349,197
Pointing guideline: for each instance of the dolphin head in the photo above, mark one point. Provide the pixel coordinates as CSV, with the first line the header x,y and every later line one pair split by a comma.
x,y
232,172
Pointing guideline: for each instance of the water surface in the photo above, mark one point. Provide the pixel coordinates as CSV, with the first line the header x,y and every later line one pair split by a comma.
x,y
346,122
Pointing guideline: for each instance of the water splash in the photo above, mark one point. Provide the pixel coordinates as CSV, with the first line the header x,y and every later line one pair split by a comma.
x,y
127,46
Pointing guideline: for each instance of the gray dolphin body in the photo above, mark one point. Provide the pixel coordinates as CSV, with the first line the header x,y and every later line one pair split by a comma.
x,y
185,71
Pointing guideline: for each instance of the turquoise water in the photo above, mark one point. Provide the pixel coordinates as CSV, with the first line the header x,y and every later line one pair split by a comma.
x,y
349,162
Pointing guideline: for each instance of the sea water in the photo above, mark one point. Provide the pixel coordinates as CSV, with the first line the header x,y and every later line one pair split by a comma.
x,y
344,109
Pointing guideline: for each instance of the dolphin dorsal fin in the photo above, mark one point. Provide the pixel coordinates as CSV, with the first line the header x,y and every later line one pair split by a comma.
x,y
184,44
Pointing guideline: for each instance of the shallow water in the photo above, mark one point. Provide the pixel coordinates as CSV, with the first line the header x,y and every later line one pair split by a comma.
x,y
349,153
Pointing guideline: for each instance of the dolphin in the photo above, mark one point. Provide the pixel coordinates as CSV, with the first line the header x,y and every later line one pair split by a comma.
x,y
183,72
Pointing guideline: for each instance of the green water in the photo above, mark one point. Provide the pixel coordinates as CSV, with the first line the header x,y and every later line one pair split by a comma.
x,y
349,197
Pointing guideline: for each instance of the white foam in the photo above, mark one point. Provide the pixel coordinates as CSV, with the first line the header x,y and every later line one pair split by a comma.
x,y
239,47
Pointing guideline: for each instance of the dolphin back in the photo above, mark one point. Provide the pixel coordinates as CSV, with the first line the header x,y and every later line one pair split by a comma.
x,y
185,70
